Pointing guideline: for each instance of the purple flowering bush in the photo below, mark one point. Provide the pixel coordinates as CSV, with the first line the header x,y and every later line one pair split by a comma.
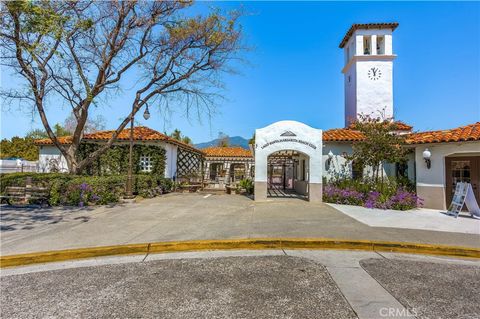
x,y
81,195
82,190
385,198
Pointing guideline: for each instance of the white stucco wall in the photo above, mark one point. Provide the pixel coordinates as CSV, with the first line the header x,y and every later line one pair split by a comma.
x,y
431,183
47,156
269,140
435,176
337,165
374,96
362,94
47,153
171,160
350,80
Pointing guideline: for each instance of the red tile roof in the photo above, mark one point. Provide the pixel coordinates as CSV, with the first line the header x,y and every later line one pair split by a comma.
x,y
342,135
364,26
140,133
235,151
463,133
399,126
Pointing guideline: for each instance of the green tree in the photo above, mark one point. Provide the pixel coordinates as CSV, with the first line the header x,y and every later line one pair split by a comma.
x,y
186,140
22,147
41,134
177,134
223,140
77,52
380,144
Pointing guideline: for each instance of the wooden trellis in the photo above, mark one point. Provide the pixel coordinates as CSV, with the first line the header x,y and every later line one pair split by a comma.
x,y
189,164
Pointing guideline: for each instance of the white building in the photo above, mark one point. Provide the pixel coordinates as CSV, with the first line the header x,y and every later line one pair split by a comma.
x,y
180,159
439,160
291,159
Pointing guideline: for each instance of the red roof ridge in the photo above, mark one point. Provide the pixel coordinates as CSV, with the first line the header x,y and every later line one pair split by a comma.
x,y
360,26
469,132
227,151
140,133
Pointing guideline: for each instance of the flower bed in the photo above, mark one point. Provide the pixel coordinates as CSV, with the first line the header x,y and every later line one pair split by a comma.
x,y
79,190
399,199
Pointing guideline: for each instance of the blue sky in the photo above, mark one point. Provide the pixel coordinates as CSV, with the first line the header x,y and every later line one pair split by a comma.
x,y
294,70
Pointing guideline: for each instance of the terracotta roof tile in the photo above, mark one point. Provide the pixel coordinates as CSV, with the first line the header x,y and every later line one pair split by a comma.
x,y
464,133
363,26
400,126
234,151
140,133
342,135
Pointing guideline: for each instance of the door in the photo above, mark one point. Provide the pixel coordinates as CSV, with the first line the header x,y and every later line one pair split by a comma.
x,y
462,169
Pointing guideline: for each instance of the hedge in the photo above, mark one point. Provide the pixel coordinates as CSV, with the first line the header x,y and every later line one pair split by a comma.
x,y
79,190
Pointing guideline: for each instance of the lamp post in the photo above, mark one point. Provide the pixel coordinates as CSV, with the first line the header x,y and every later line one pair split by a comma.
x,y
129,191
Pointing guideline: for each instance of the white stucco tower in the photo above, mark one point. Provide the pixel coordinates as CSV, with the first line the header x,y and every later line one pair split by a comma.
x,y
368,70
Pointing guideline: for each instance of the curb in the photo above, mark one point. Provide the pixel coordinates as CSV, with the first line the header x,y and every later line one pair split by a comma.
x,y
235,244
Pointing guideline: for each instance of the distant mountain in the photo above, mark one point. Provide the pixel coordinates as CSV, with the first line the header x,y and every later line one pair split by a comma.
x,y
232,141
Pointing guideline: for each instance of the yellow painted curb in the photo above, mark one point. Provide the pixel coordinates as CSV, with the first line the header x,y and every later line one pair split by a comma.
x,y
252,244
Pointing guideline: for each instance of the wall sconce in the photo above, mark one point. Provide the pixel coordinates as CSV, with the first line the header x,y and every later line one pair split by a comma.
x,y
329,159
426,156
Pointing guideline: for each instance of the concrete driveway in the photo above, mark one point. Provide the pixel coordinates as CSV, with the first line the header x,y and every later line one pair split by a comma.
x,y
175,217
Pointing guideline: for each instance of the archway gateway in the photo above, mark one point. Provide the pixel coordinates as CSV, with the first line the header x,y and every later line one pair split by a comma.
x,y
287,175
288,156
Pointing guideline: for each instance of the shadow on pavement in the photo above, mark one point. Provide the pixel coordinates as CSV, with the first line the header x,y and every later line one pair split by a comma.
x,y
28,217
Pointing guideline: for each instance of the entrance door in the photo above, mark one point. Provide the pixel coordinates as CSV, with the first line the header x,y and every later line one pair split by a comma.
x,y
462,169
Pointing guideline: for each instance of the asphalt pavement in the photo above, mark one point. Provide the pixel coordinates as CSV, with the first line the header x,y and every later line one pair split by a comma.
x,y
245,284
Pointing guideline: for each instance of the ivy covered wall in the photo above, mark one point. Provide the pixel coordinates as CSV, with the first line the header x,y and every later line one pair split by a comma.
x,y
115,160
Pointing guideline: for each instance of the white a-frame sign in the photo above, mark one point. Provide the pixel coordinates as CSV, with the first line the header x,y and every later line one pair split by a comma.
x,y
464,196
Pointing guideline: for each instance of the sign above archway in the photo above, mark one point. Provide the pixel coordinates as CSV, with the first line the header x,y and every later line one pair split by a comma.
x,y
288,135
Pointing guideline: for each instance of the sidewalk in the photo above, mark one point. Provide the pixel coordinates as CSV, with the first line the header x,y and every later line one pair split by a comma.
x,y
177,217
422,218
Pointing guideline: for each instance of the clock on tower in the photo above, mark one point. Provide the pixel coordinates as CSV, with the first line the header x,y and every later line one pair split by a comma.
x,y
368,70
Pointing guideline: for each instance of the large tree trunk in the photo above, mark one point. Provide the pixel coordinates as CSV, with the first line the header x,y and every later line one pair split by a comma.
x,y
71,159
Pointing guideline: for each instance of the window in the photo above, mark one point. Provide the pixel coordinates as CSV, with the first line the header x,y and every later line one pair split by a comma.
x,y
146,163
380,45
357,170
401,170
367,45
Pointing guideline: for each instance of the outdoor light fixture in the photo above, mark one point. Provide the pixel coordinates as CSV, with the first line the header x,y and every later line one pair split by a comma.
x,y
330,157
128,188
426,156
146,114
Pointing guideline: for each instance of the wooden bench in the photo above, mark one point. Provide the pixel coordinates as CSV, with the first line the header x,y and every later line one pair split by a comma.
x,y
25,195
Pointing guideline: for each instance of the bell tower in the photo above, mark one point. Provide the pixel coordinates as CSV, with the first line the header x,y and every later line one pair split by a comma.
x,y
368,70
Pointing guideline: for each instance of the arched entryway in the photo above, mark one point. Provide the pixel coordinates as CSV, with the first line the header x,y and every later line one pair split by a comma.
x,y
288,157
287,174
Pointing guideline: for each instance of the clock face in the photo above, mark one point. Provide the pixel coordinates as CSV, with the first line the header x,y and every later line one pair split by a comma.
x,y
374,73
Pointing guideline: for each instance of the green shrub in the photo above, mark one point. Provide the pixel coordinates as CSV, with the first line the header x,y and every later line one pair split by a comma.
x,y
79,190
247,184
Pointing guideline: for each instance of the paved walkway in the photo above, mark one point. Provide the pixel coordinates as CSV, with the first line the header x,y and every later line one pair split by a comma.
x,y
260,284
176,217
424,219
